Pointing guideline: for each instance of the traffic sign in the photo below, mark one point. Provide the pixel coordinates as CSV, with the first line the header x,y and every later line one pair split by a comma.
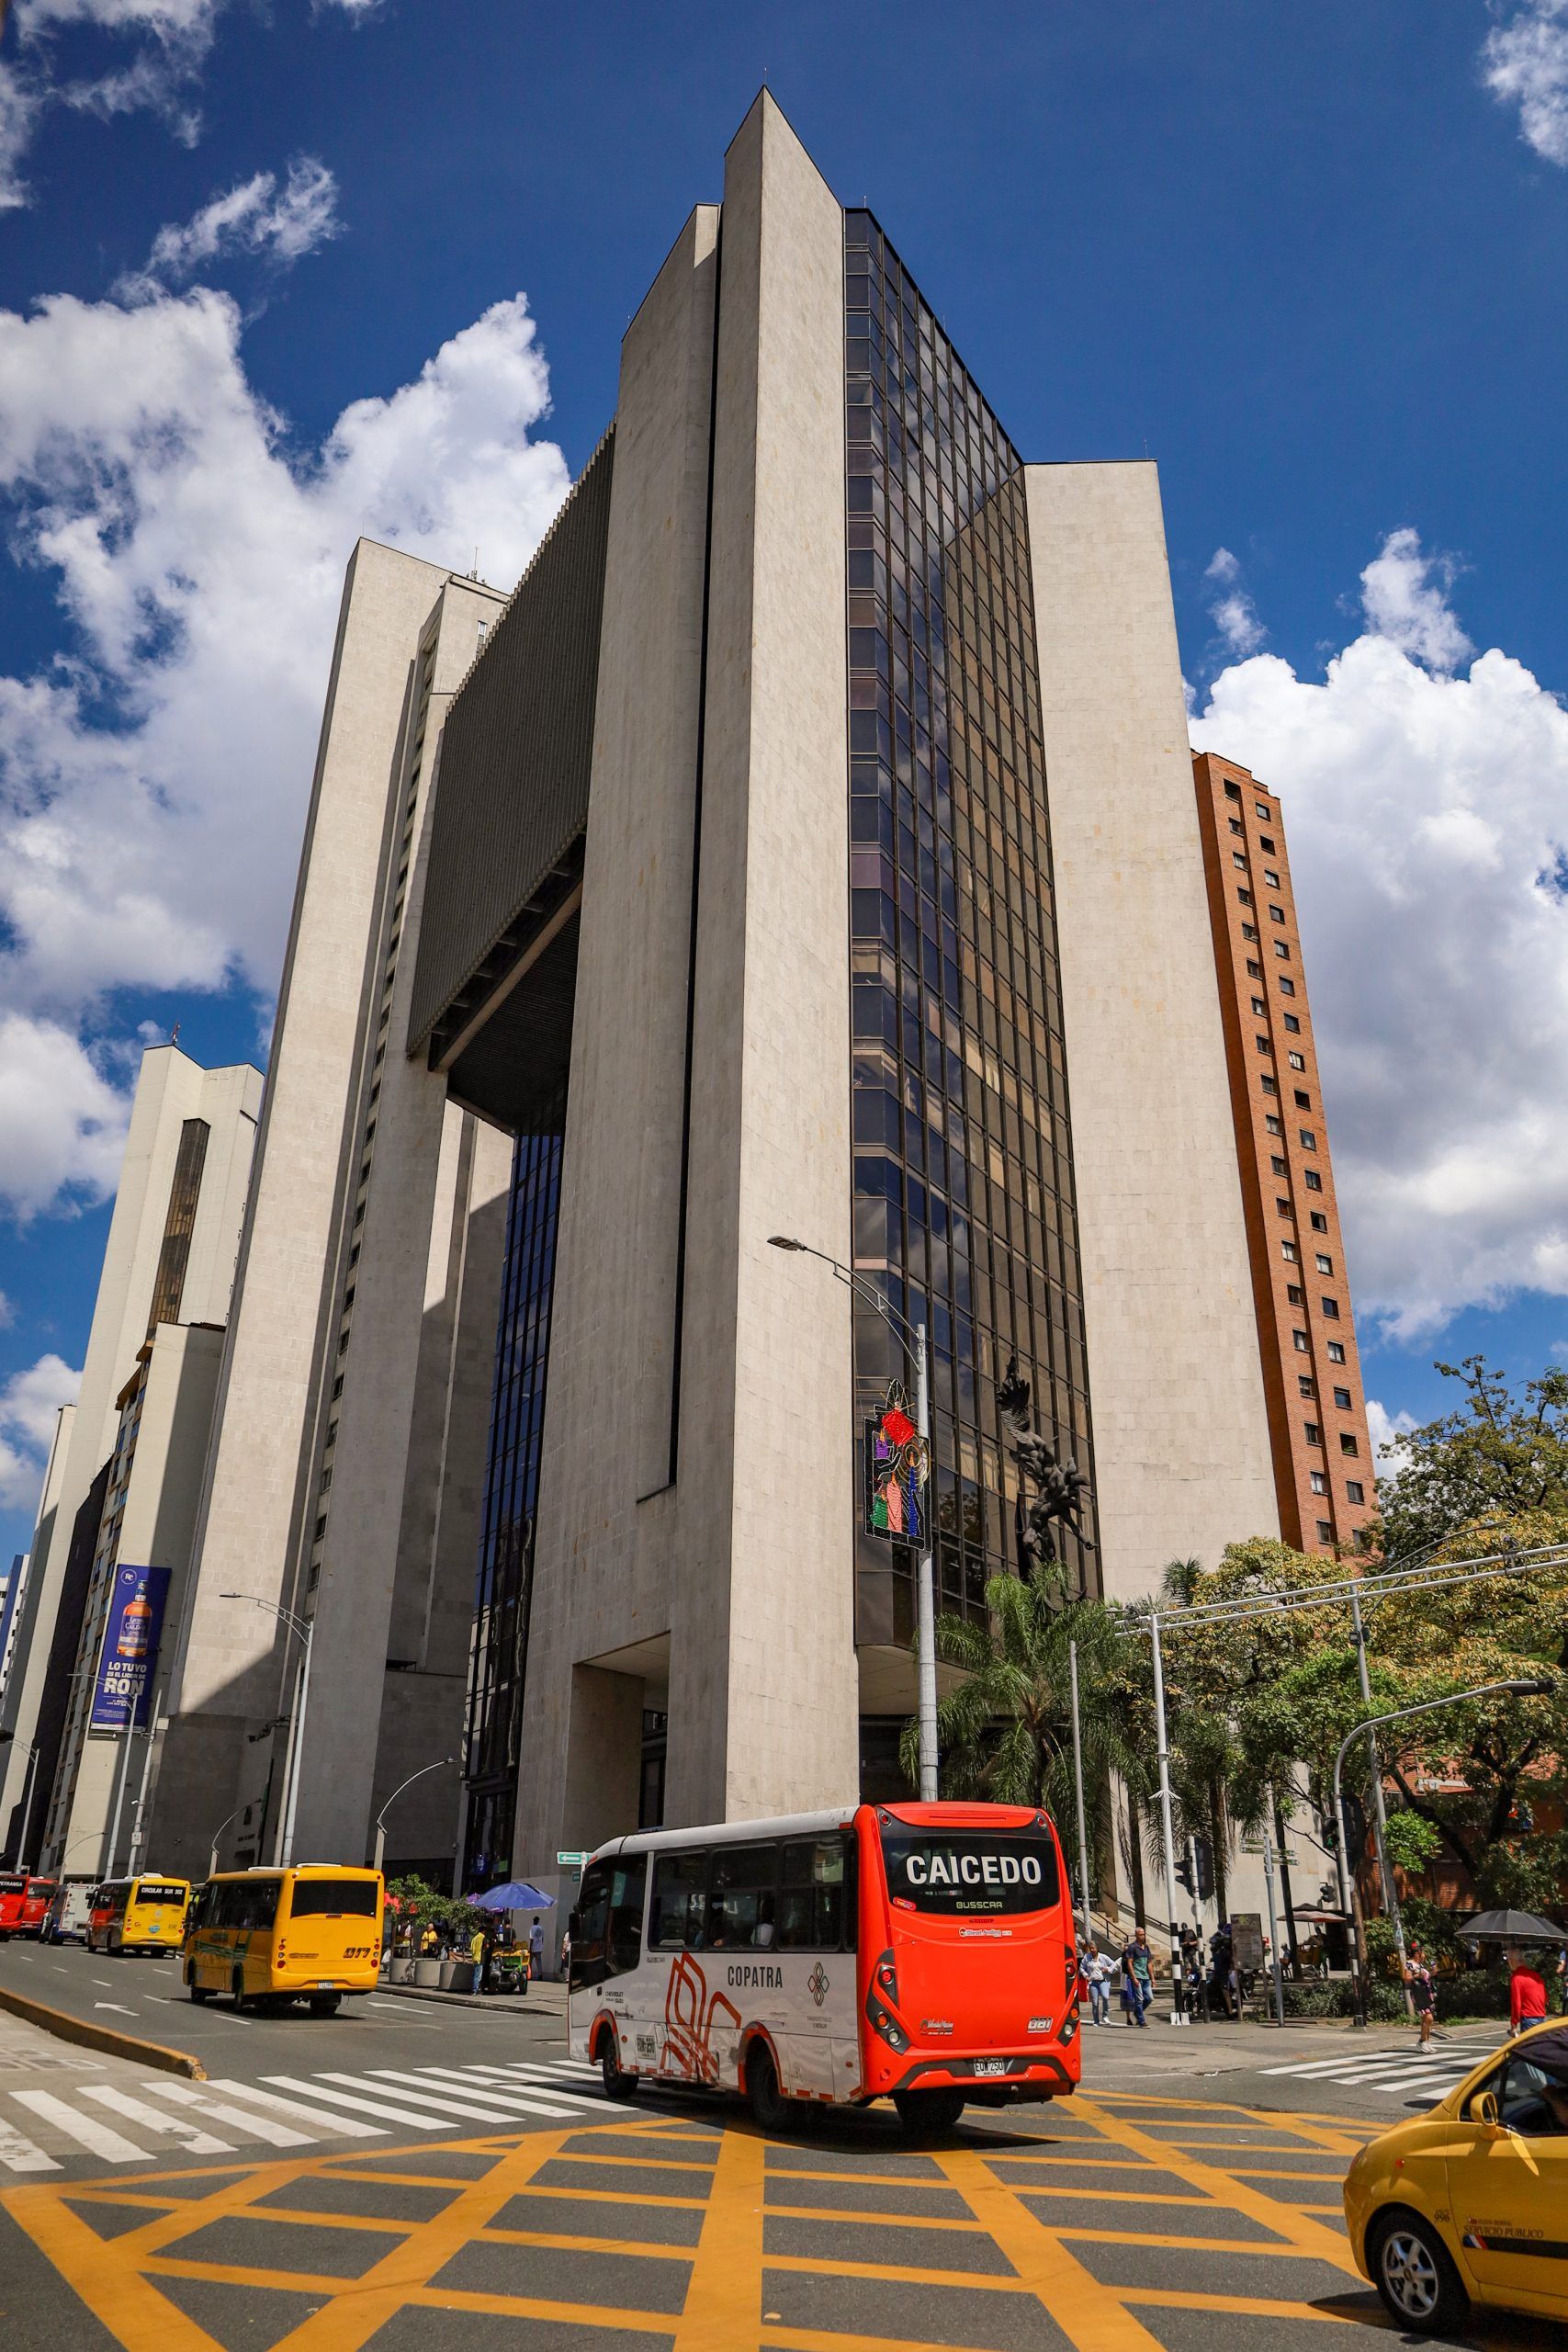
x,y
570,1861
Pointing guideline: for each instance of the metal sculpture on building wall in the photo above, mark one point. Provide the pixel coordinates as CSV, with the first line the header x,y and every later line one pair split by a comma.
x,y
1059,1487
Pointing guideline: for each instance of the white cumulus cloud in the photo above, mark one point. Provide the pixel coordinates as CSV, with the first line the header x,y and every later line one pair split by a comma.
x,y
281,224
153,776
29,1404
1385,1429
1524,64
160,47
1426,807
1233,611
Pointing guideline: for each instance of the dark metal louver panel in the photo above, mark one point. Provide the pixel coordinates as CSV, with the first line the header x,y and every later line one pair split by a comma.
x,y
516,752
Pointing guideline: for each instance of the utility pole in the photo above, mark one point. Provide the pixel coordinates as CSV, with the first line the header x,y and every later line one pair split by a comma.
x,y
1379,1818
926,1580
140,1816
1178,2009
1077,1785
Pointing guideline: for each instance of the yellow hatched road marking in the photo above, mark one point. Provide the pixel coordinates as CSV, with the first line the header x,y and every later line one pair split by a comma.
x,y
1285,2220
1090,2315
723,2311
1181,2299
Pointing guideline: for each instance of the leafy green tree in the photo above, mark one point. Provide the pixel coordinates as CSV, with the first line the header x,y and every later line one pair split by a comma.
x,y
1005,1731
1496,1454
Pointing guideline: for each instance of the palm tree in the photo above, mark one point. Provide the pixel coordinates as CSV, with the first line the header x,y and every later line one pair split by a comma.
x,y
1005,1730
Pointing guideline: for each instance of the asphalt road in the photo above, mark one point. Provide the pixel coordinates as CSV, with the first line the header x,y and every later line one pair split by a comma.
x,y
1168,2206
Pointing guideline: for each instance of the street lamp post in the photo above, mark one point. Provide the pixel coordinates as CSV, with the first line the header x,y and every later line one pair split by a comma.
x,y
217,1841
1519,1687
1077,1785
914,1338
304,1627
391,1801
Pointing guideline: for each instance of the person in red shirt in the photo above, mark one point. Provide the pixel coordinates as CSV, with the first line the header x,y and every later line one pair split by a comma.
x,y
1526,1994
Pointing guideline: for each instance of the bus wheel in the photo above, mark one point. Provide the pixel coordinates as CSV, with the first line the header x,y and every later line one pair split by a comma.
x,y
616,2085
117,1943
198,1993
770,2109
325,2004
929,2110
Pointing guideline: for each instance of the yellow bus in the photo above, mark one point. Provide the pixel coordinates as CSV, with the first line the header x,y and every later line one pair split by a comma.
x,y
311,1933
138,1915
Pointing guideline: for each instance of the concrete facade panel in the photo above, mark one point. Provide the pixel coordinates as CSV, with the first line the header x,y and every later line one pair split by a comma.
x,y
1181,1437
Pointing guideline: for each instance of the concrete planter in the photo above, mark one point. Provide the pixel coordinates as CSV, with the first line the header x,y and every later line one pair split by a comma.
x,y
428,1973
459,1976
401,1969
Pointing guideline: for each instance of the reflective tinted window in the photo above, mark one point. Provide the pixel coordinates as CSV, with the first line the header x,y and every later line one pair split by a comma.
x,y
675,1914
970,1873
336,1898
816,1896
607,1936
743,1898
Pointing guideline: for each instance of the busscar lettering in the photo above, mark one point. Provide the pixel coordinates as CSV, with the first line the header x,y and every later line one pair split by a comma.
x,y
757,1979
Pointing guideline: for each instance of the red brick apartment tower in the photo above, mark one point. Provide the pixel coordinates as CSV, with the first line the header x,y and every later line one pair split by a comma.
x,y
1317,1414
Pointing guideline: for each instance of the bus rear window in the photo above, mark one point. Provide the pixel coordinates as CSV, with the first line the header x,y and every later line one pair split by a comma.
x,y
969,1874
336,1898
152,1889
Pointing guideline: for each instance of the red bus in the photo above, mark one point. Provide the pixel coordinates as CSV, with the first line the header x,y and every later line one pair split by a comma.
x,y
23,1902
924,1954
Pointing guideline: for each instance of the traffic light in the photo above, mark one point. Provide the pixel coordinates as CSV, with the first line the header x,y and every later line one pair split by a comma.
x,y
1184,1876
1205,1867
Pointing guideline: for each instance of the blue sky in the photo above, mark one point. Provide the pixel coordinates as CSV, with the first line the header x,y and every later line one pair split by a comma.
x,y
1310,260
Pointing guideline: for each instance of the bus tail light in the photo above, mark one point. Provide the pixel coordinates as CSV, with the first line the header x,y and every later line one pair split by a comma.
x,y
883,2020
888,1977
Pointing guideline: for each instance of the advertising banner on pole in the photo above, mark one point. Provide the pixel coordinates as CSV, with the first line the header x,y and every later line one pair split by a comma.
x,y
130,1648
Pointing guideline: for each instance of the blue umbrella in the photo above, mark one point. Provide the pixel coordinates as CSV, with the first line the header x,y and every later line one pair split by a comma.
x,y
515,1895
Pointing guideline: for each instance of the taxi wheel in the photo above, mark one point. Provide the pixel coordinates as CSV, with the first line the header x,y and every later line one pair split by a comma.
x,y
771,2110
936,2110
1411,2268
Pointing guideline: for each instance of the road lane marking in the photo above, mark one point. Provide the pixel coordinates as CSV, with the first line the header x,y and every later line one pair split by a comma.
x,y
1088,2313
250,2126
19,2154
175,2127
490,2107
96,2138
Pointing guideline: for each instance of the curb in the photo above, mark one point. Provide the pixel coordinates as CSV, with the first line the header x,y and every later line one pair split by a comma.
x,y
106,2037
494,2004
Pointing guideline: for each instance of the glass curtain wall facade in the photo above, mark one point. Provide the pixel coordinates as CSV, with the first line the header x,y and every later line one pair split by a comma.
x,y
964,1202
497,1657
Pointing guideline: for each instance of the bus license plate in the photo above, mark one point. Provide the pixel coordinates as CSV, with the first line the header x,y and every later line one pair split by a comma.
x,y
990,2065
327,1984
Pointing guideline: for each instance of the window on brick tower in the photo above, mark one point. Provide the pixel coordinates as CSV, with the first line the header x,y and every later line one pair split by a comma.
x,y
1331,1309
1263,1044
1313,1433
1324,1262
1314,1180
1319,1222
1265,845
1274,1126
1298,1341
1239,858
1347,1445
1325,1530
1354,1491
1287,987
1288,1250
1342,1398
1309,1139
1260,1006
1335,1351
1236,824
1283,1206
1233,792
1296,1295
1270,1085
1319,1482
1272,879
1253,971
1250,931
1298,1061
1280,1167
1276,914
1244,897
1292,1024
1306,1385
1281,951
1262,808
1303,1100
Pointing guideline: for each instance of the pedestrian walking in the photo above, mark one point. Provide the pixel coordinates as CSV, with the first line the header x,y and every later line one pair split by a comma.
x,y
1423,1992
1137,1969
1095,1971
536,1950
1527,1992
566,1955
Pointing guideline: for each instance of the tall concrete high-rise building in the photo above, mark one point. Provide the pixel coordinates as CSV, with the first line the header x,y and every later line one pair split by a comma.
x,y
810,849
1317,1410
168,1266
344,1481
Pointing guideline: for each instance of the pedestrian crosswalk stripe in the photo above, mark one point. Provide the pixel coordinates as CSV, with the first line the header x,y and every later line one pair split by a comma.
x,y
19,2154
248,2125
331,2099
520,2094
87,2132
174,2127
486,2105
528,2075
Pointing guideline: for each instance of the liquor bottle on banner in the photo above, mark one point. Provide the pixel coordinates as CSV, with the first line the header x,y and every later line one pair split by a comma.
x,y
136,1625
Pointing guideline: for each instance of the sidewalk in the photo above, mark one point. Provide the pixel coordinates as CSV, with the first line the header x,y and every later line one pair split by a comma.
x,y
546,1997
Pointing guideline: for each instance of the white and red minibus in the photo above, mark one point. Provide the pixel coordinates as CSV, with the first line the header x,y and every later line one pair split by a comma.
x,y
920,1952
24,1900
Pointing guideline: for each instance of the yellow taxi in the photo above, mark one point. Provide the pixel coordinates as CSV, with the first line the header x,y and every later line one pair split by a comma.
x,y
1469,2203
